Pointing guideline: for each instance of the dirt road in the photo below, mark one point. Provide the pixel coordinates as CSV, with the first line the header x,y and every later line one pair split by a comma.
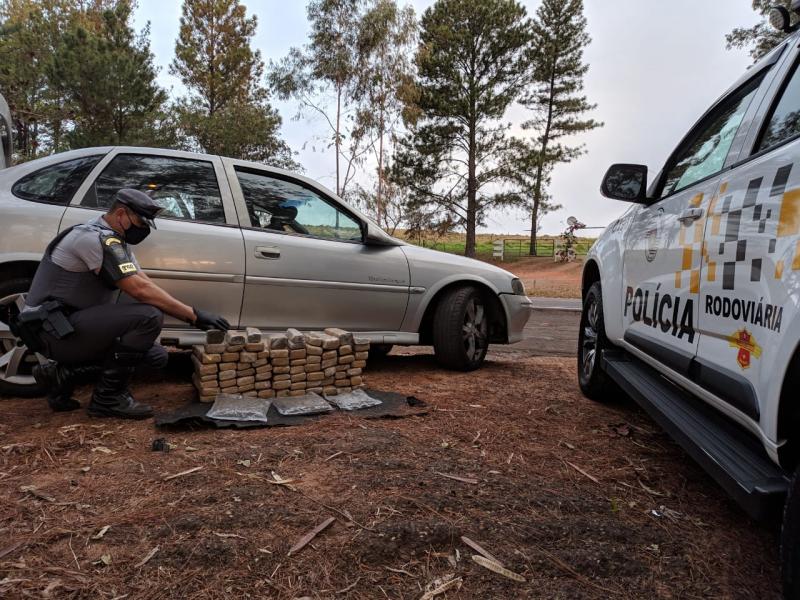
x,y
581,500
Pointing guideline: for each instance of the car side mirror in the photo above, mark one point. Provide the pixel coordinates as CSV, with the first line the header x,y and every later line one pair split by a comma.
x,y
375,236
625,182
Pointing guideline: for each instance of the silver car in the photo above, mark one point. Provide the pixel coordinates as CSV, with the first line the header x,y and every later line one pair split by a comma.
x,y
261,246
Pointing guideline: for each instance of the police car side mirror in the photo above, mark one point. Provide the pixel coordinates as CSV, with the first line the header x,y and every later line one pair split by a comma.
x,y
625,182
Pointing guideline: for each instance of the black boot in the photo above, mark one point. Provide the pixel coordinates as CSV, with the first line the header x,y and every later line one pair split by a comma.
x,y
112,398
60,381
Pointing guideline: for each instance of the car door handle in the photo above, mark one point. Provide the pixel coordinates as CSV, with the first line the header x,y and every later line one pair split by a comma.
x,y
268,252
690,214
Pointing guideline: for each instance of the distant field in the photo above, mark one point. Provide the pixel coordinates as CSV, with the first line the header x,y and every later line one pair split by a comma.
x,y
516,247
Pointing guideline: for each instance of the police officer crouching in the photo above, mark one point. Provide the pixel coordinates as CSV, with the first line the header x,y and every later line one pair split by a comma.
x,y
71,315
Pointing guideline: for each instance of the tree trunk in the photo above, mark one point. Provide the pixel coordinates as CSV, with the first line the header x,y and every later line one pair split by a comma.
x,y
379,197
534,225
537,195
537,190
472,185
336,135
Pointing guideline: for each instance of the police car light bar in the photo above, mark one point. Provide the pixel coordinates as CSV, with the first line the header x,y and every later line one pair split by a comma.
x,y
781,19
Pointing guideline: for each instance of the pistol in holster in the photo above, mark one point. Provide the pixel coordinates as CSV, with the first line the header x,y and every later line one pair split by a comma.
x,y
49,317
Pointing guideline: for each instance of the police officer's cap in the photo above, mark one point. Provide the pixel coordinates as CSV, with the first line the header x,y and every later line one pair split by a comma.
x,y
140,203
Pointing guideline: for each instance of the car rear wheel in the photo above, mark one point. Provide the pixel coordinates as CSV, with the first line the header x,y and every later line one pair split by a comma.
x,y
593,381
16,362
461,329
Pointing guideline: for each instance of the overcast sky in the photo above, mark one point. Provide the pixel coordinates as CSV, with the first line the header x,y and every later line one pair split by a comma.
x,y
655,66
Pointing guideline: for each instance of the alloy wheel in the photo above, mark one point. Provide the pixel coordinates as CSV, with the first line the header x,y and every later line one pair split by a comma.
x,y
16,361
589,341
475,330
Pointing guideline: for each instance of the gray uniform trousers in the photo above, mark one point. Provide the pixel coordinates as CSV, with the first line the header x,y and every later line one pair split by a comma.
x,y
98,328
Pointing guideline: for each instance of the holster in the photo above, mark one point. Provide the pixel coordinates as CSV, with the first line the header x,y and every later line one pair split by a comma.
x,y
49,317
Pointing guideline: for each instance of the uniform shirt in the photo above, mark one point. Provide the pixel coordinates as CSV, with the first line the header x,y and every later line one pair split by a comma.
x,y
81,250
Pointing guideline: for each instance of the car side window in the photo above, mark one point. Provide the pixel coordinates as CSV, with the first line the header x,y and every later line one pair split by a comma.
x,y
704,153
186,189
55,184
784,120
280,205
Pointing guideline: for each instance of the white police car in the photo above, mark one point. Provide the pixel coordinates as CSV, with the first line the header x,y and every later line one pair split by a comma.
x,y
691,300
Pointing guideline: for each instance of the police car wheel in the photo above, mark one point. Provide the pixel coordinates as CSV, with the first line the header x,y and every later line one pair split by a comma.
x,y
790,536
16,362
593,381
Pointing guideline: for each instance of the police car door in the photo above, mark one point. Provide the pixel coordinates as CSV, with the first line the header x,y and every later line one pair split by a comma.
x,y
750,291
664,244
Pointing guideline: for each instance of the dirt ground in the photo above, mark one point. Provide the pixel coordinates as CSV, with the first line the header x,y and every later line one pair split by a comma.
x,y
582,500
545,278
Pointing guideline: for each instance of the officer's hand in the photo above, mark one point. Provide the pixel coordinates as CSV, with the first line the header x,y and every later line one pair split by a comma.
x,y
207,320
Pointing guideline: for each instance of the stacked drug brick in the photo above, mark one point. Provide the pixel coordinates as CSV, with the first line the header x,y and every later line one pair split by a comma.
x,y
236,362
291,364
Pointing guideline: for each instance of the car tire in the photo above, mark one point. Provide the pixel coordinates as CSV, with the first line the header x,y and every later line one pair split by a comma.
x,y
20,382
460,329
790,541
593,381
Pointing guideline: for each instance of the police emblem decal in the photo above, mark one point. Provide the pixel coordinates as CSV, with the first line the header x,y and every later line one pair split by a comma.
x,y
747,345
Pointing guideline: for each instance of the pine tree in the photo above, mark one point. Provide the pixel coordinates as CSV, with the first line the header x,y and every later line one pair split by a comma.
x,y
762,37
472,64
227,109
556,99
30,32
105,72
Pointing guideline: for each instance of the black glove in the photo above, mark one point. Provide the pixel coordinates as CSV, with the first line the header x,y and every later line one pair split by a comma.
x,y
207,320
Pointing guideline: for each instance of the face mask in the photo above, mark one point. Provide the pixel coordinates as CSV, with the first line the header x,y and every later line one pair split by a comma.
x,y
135,234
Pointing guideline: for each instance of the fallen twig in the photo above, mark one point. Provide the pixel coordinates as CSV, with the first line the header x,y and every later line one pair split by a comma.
x,y
349,587
31,489
9,549
99,535
303,542
582,472
497,568
649,490
403,571
477,547
560,563
457,478
182,473
229,535
147,558
441,588
332,456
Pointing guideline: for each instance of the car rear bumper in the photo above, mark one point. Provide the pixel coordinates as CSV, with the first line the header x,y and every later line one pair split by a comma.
x,y
518,311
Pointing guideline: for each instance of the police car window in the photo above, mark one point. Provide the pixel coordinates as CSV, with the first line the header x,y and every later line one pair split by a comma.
x,y
784,122
706,151
279,205
57,183
186,189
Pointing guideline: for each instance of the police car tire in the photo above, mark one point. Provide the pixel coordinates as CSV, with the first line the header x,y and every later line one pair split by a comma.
x,y
596,385
7,288
790,541
448,323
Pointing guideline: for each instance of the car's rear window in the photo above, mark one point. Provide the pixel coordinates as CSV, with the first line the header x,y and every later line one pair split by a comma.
x,y
55,184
